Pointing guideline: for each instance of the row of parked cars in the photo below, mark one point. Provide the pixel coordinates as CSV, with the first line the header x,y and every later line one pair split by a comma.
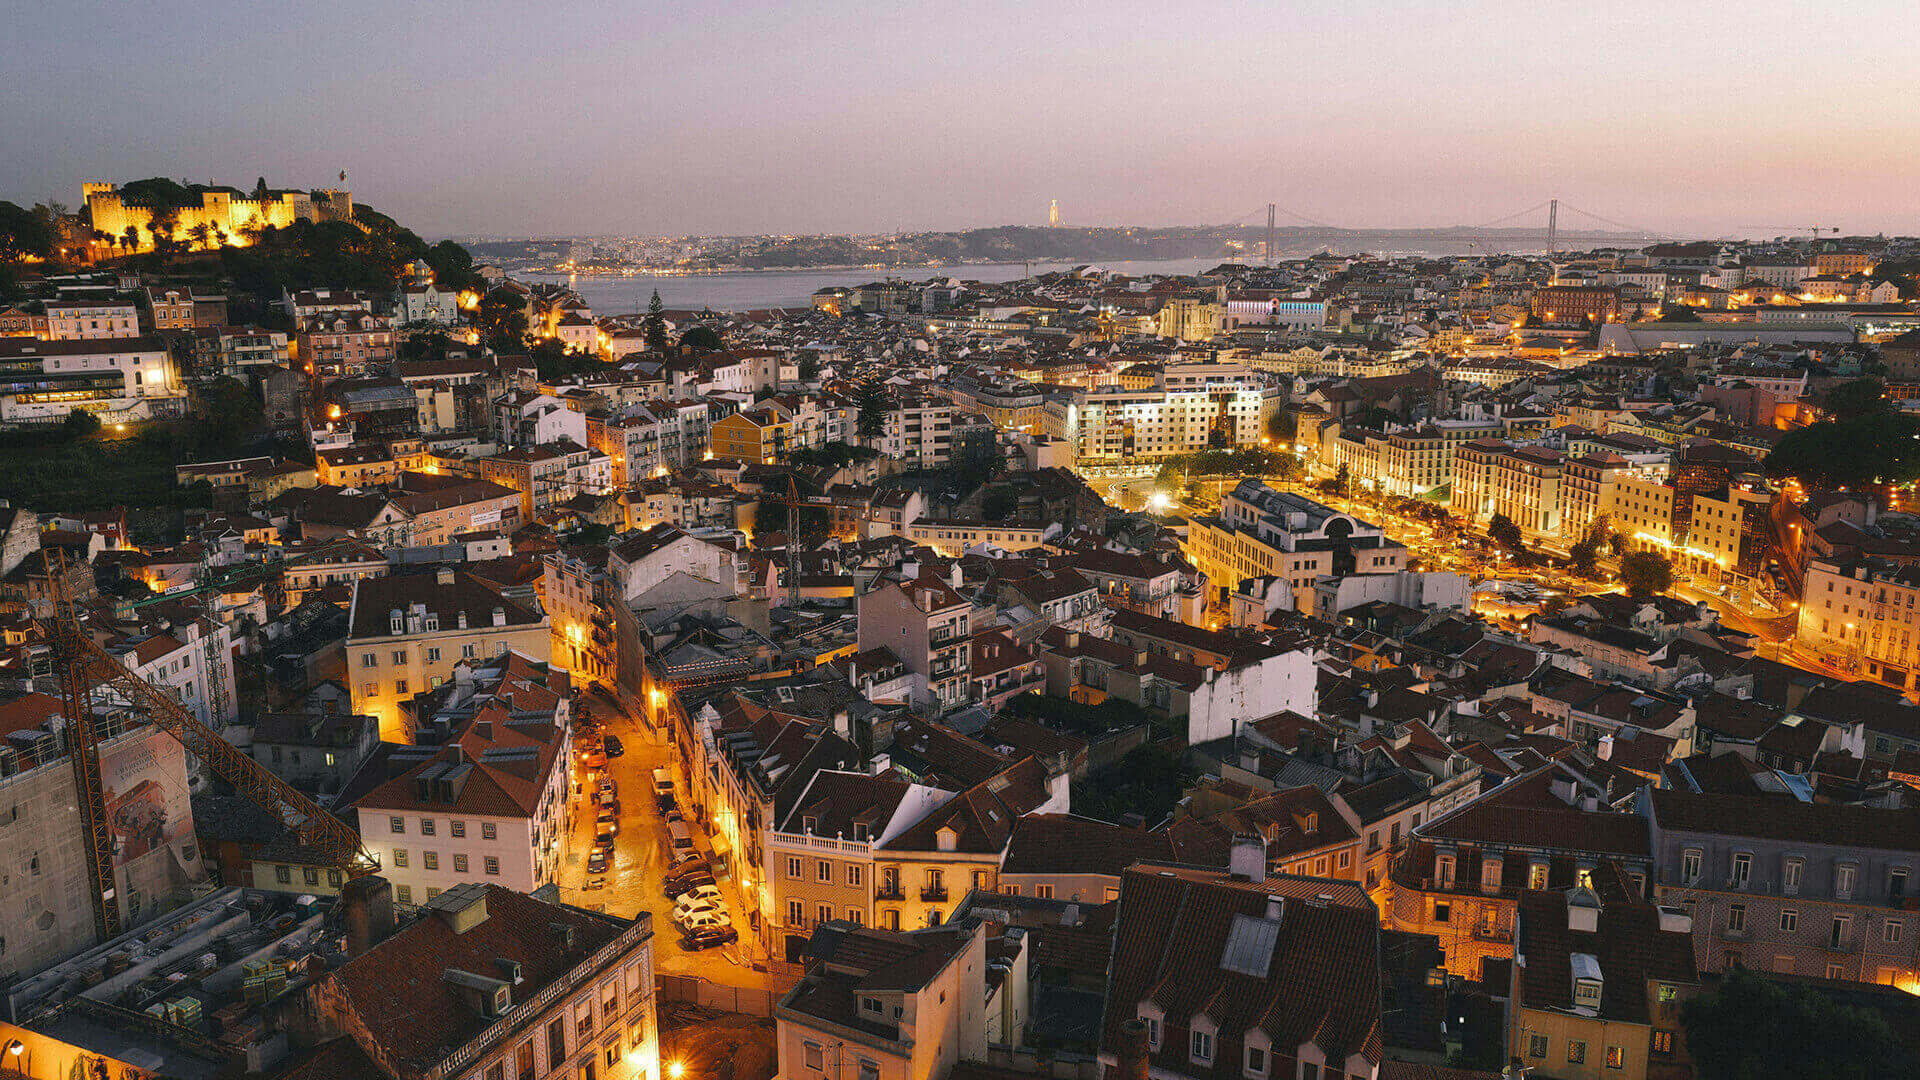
x,y
698,909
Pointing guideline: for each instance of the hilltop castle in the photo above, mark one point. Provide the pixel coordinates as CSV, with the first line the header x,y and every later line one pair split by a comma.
x,y
223,210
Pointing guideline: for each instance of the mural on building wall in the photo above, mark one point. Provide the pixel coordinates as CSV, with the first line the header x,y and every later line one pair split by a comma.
x,y
150,817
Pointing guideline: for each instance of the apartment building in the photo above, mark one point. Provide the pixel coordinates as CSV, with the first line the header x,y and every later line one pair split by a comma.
x,y
117,379
1598,985
882,1005
755,436
489,984
545,475
1800,888
1190,407
490,806
1522,482
406,634
344,345
237,350
1642,513
92,319
920,430
1265,532
924,622
1570,305
444,508
1859,614
1276,977
575,590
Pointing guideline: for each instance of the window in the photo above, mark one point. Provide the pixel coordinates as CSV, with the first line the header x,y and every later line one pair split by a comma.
x,y
283,874
1789,920
1586,992
368,659
1663,1042
459,828
459,864
1256,1064
426,826
793,866
399,686
404,894
371,689
1897,882
823,871
493,865
1690,866
1310,1071
400,857
556,1043
489,831
310,876
796,913
1153,1031
1044,892
430,860
1203,1046
399,657
523,1061
1736,917
816,1057
1576,1051
1442,911
854,875
869,1069
1842,929
1537,1046
466,652
1843,883
1790,876
1616,1057
1742,870
1891,932
397,824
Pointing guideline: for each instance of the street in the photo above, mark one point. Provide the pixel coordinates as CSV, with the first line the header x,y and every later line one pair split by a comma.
x,y
632,882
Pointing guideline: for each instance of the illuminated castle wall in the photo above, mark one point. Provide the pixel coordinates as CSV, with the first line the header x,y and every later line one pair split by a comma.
x,y
228,210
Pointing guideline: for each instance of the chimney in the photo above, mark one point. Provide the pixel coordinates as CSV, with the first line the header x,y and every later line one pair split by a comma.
x,y
1605,750
367,906
461,619
1134,1048
1248,859
445,576
499,616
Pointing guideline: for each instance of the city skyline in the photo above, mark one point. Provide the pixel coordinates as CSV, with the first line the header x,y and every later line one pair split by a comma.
x,y
607,120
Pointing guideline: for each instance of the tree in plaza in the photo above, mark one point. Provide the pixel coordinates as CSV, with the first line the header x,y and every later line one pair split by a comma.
x,y
1645,573
871,395
655,324
1586,557
1504,532
1343,480
1753,1027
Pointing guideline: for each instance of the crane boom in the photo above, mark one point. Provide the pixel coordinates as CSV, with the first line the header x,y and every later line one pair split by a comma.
x,y
317,829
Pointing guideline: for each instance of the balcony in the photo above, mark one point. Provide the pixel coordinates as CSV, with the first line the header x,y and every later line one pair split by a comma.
x,y
889,890
1492,933
933,893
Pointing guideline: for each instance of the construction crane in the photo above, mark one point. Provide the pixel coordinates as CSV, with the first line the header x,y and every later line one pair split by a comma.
x,y
863,512
86,668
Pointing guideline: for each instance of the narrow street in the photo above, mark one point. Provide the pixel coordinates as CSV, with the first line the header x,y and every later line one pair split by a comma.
x,y
632,882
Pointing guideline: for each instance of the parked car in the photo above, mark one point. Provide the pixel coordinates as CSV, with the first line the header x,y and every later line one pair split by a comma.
x,y
662,783
594,760
607,823
698,895
677,887
597,861
674,813
707,937
705,920
681,913
613,747
681,863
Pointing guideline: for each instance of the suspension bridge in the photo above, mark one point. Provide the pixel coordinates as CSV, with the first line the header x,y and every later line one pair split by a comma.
x,y
1538,227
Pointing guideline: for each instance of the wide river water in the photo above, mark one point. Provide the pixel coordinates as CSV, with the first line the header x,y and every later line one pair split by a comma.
x,y
749,289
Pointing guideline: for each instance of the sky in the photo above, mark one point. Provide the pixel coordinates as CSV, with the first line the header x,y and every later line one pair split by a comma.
x,y
599,117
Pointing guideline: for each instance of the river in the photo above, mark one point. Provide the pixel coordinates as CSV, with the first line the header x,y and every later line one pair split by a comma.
x,y
749,289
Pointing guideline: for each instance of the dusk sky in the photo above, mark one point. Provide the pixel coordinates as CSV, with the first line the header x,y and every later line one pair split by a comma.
x,y
1714,119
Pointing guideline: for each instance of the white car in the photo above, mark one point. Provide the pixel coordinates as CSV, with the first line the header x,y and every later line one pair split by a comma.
x,y
700,920
682,913
697,897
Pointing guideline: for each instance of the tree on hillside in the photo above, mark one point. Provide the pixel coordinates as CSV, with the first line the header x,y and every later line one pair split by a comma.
x,y
1876,448
1645,573
23,233
1857,398
873,399
502,315
655,324
1753,1027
